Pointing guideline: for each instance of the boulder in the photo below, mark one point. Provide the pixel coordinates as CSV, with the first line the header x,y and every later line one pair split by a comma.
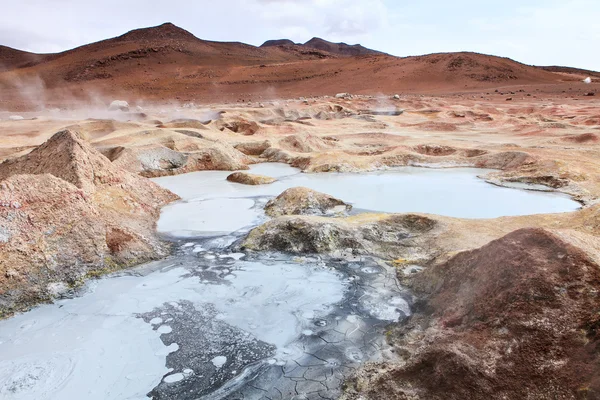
x,y
250,179
305,201
343,96
119,105
253,148
16,118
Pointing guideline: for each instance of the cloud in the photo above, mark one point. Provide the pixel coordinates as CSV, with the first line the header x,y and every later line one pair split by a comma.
x,y
335,19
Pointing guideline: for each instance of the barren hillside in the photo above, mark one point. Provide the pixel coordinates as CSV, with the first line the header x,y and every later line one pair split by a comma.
x,y
167,62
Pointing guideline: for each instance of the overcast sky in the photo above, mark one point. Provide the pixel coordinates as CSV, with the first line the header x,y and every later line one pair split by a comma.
x,y
540,32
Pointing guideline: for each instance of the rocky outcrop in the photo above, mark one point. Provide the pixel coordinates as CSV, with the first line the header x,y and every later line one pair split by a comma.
x,y
66,213
157,160
304,143
250,179
253,148
514,319
241,126
305,201
389,236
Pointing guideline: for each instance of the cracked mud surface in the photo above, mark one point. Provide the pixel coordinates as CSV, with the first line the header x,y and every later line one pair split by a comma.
x,y
327,345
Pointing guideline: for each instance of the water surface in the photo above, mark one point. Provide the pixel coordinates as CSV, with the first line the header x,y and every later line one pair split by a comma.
x,y
210,201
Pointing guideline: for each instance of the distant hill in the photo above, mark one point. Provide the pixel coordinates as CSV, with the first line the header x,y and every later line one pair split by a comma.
x,y
340,48
569,70
278,42
12,58
166,62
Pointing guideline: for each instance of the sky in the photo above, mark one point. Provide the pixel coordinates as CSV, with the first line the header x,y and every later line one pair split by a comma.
x,y
538,32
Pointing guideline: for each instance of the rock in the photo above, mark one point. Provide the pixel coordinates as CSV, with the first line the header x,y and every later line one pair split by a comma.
x,y
185,123
119,105
66,213
434,150
304,143
389,236
250,179
253,148
517,317
343,96
587,80
589,94
304,201
509,98
396,97
504,160
16,118
244,127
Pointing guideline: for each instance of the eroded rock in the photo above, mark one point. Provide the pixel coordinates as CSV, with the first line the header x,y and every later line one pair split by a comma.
x,y
305,201
250,179
389,236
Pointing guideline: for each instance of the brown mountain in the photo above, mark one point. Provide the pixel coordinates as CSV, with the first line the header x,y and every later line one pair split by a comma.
x,y
340,48
278,42
12,58
167,62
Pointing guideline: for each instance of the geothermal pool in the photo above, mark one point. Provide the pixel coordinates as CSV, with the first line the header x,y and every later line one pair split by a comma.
x,y
209,323
210,203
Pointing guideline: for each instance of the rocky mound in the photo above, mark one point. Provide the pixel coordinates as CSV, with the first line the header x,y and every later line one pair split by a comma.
x,y
515,319
305,201
66,213
242,126
253,148
304,143
155,160
582,138
250,179
390,236
66,156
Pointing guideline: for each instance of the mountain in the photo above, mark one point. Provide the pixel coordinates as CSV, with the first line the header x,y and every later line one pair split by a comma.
x,y
278,42
167,62
12,58
340,48
568,70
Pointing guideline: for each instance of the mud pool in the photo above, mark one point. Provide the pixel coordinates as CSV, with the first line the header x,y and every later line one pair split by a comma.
x,y
211,203
208,323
